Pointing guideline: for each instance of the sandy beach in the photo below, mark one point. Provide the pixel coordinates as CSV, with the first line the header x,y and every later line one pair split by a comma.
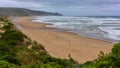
x,y
60,43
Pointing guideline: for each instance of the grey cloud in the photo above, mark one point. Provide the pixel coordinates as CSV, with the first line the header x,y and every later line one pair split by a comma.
x,y
68,7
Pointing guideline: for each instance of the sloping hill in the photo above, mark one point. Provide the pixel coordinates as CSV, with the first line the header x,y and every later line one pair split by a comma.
x,y
24,12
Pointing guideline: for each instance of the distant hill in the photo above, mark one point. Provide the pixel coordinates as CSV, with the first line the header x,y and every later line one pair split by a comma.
x,y
24,12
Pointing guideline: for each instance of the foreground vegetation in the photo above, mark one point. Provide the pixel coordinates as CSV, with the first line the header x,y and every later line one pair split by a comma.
x,y
19,51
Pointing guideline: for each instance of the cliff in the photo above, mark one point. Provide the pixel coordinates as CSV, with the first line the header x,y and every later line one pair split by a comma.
x,y
24,12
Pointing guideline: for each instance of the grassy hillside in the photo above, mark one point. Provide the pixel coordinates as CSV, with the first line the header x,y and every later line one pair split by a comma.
x,y
19,51
24,12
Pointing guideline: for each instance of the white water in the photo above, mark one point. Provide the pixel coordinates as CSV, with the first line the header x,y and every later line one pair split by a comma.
x,y
104,28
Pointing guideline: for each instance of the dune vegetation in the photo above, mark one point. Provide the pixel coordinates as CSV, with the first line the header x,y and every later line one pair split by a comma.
x,y
19,51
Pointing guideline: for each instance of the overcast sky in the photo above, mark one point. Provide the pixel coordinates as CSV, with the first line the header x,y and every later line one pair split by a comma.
x,y
68,7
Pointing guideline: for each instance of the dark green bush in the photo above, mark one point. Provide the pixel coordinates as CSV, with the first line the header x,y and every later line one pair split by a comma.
x,y
115,56
4,19
49,59
41,66
38,47
7,53
13,37
5,64
112,60
11,59
4,48
8,26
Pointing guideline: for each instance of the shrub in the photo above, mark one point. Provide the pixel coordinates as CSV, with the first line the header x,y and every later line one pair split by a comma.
x,y
4,19
27,56
115,56
5,64
4,48
8,26
41,66
13,37
38,47
7,53
63,62
116,51
11,59
112,60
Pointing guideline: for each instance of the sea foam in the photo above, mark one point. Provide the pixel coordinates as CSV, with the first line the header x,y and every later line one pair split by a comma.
x,y
104,28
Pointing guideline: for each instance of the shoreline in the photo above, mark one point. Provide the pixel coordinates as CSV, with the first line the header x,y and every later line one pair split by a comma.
x,y
48,25
61,43
102,38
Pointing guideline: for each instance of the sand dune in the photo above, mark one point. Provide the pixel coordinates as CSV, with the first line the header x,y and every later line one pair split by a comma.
x,y
60,43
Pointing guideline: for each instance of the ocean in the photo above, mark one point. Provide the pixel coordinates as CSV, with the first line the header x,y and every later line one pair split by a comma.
x,y
105,28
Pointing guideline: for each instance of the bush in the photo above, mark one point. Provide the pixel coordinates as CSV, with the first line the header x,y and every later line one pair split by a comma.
x,y
13,37
4,48
41,66
116,51
63,62
5,64
11,59
8,26
7,53
27,56
115,56
112,60
4,19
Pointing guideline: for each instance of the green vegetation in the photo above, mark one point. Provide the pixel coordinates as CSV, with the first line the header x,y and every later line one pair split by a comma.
x,y
13,37
18,51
